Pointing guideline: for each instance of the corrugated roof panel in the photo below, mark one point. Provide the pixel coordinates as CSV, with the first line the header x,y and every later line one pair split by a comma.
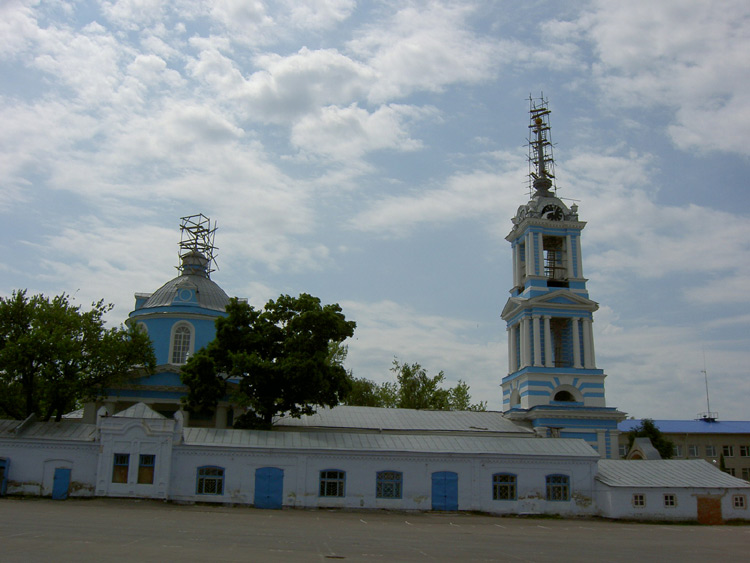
x,y
665,473
63,430
374,418
412,442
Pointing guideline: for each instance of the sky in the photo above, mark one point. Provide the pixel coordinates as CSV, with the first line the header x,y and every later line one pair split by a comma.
x,y
373,153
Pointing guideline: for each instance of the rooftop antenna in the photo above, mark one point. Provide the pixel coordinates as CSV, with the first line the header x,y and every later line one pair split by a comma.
x,y
707,416
197,235
541,161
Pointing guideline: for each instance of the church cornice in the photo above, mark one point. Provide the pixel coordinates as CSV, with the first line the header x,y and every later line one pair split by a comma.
x,y
524,225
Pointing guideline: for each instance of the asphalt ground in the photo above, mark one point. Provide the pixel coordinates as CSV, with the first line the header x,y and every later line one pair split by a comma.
x,y
141,530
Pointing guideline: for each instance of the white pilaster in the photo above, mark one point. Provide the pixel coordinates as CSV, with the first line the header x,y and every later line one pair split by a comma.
x,y
579,260
569,256
537,342
576,343
548,343
525,344
588,358
529,254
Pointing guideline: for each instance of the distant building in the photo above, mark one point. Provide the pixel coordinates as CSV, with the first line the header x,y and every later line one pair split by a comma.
x,y
704,438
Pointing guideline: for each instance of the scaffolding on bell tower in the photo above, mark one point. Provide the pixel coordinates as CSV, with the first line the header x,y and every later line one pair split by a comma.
x,y
541,161
197,235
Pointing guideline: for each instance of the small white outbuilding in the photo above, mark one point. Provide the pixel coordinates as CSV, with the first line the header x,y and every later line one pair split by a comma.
x,y
669,489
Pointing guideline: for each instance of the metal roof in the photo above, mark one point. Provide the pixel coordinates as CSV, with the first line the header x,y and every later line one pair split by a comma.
x,y
63,430
692,426
208,293
665,473
139,410
381,443
404,420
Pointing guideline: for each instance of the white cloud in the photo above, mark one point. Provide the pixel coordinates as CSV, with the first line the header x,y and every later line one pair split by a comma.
x,y
288,87
133,14
318,14
344,134
424,47
686,56
387,329
463,196
636,236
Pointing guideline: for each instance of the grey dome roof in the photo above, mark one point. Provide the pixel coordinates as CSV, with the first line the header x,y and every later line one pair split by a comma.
x,y
208,295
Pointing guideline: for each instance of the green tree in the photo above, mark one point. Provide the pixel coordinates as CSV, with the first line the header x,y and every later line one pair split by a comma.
x,y
53,355
647,429
283,358
413,389
460,399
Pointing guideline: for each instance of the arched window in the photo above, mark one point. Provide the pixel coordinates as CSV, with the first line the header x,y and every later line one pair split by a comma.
x,y
565,396
210,480
182,342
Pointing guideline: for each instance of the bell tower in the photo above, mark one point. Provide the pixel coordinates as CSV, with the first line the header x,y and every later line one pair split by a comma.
x,y
552,380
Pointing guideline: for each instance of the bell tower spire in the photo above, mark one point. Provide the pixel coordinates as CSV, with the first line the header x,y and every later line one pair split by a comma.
x,y
552,380
541,162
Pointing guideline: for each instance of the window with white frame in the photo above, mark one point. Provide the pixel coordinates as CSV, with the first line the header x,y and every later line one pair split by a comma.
x,y
558,487
746,473
677,451
120,468
146,463
738,501
710,451
388,484
182,340
670,500
210,481
332,483
744,451
504,486
692,450
639,500
623,450
727,451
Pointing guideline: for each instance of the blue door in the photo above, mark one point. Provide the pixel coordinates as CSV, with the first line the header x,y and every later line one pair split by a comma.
x,y
61,483
4,463
269,487
445,490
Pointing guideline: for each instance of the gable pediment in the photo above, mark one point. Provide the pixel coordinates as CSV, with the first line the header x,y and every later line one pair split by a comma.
x,y
561,298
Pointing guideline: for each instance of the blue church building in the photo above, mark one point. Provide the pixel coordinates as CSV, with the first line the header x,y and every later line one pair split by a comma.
x,y
179,319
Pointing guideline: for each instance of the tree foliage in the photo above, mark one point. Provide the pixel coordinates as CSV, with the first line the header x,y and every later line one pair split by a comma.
x,y
53,355
647,429
284,358
413,389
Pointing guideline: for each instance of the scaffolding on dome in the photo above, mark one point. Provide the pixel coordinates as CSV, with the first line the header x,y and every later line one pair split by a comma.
x,y
541,161
197,235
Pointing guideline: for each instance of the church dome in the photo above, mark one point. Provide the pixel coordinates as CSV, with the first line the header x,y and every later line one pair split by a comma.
x,y
192,287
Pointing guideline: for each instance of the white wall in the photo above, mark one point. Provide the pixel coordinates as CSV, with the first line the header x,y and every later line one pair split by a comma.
x,y
617,502
302,472
33,464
